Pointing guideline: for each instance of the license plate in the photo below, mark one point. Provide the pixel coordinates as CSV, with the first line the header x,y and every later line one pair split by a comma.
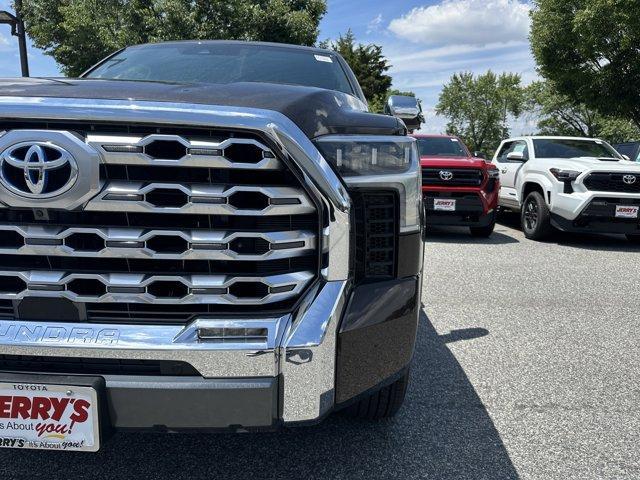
x,y
626,212
444,205
49,417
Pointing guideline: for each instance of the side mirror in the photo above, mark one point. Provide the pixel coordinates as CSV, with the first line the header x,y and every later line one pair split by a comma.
x,y
516,157
407,109
480,155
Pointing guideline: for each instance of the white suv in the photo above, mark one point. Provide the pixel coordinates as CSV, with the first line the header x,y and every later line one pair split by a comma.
x,y
572,184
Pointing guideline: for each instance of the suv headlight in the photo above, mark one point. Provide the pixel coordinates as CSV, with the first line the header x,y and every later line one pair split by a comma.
x,y
564,175
493,173
379,162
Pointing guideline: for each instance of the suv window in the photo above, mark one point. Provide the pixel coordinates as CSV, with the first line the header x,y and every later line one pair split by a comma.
x,y
507,148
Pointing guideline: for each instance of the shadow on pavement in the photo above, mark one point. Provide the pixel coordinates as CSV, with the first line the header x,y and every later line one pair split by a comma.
x,y
603,242
442,432
464,334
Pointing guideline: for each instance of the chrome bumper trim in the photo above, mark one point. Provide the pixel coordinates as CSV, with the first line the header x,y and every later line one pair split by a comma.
x,y
151,342
309,355
300,350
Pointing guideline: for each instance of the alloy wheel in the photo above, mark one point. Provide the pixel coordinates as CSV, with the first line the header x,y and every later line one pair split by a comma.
x,y
531,214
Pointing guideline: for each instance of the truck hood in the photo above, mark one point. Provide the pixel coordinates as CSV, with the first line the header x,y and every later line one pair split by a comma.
x,y
453,162
316,111
591,164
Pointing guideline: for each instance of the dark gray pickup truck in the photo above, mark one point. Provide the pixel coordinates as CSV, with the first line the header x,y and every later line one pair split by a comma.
x,y
202,236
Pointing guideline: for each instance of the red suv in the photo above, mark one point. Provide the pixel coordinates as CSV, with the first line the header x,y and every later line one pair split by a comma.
x,y
457,187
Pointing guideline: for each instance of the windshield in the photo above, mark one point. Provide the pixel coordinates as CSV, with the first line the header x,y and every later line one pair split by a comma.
x,y
225,63
559,148
441,147
631,150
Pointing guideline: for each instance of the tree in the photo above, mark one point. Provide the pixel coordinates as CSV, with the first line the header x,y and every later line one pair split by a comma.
x,y
559,115
368,64
479,108
590,50
78,33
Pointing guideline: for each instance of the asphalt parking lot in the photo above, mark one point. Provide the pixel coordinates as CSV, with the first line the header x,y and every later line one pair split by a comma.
x,y
527,366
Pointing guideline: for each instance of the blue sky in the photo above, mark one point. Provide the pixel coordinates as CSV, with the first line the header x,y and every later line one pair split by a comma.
x,y
425,41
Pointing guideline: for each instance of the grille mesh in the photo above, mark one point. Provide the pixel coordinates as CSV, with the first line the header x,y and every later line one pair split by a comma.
x,y
612,182
461,177
376,234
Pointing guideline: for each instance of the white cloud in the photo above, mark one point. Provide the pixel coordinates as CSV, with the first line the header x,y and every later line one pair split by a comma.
x,y
375,24
465,22
461,57
3,40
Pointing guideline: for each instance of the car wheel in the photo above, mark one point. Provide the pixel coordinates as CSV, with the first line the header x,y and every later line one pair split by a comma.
x,y
384,403
634,238
535,217
486,231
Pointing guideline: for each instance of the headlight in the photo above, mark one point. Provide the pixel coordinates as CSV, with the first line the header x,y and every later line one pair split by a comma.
x,y
564,175
354,156
378,162
493,173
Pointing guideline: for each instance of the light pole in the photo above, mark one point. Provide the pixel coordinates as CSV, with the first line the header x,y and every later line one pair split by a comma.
x,y
17,29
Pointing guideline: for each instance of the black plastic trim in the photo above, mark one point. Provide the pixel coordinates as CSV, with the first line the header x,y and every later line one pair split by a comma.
x,y
377,335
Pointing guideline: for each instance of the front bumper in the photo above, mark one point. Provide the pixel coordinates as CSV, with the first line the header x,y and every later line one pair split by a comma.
x,y
599,216
240,378
335,348
472,210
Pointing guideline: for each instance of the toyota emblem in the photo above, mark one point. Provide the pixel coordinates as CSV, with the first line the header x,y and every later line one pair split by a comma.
x,y
446,175
37,170
629,179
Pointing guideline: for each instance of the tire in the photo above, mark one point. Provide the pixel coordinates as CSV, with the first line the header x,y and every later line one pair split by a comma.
x,y
635,239
384,403
486,231
535,217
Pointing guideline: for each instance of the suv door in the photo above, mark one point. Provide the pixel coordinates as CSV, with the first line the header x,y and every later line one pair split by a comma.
x,y
508,196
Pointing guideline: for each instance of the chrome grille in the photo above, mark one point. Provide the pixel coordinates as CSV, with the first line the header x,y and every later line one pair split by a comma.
x,y
161,244
206,199
208,218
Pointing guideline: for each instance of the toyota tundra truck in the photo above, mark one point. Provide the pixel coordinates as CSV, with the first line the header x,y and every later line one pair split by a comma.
x,y
202,236
458,188
570,184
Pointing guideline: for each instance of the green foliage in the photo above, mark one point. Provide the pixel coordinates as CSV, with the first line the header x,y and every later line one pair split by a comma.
x,y
479,108
368,64
590,50
78,33
559,115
